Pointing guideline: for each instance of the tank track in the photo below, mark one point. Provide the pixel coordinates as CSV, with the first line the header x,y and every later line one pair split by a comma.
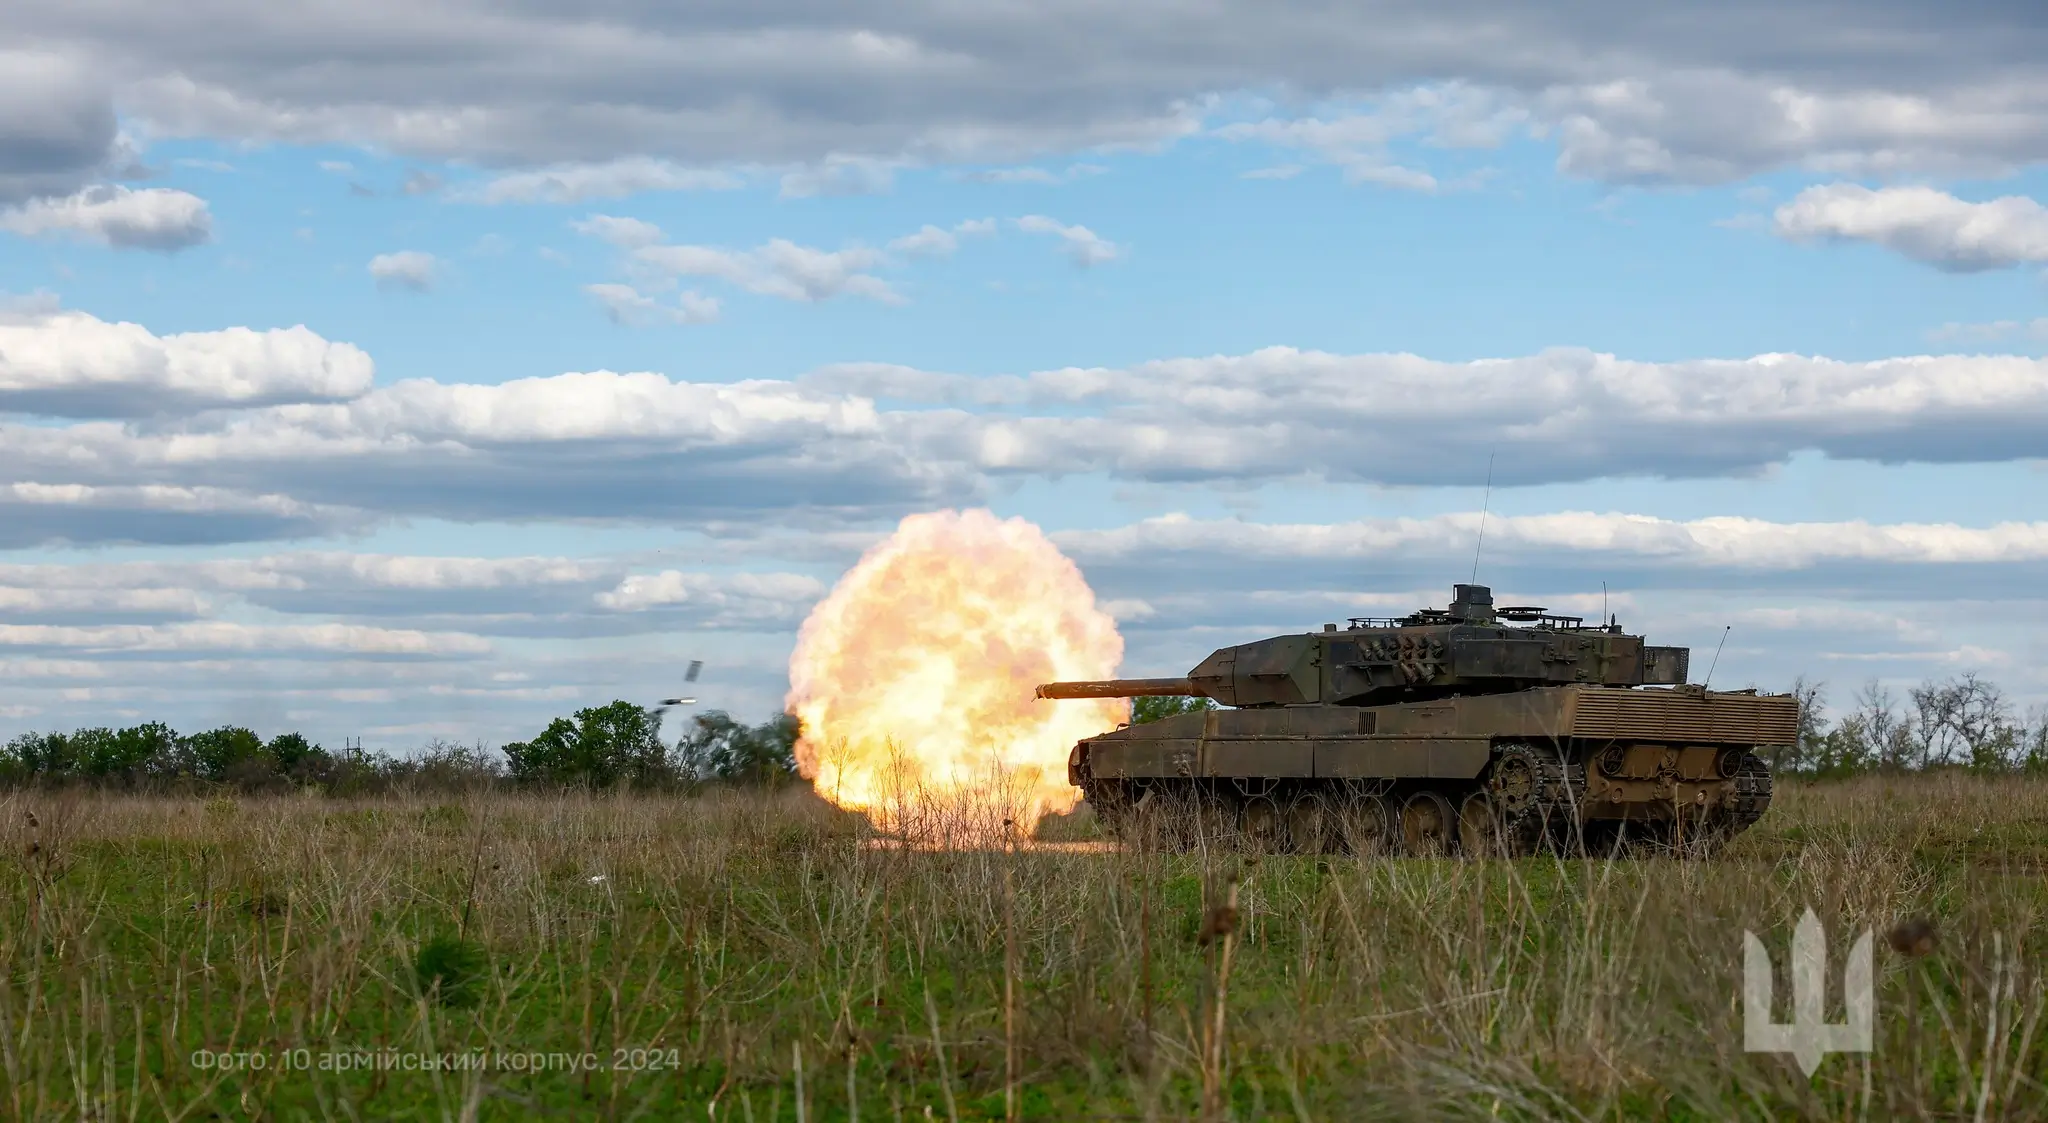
x,y
1752,795
1539,810
1551,817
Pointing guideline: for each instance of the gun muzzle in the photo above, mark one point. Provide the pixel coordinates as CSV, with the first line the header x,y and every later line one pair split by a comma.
x,y
1120,688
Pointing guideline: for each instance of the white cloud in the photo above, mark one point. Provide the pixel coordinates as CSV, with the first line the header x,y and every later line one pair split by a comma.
x,y
1451,115
1717,542
1923,223
771,599
597,445
43,605
1563,414
1390,175
780,268
840,175
46,514
933,241
71,364
625,233
405,269
1992,331
535,597
218,636
1626,97
1043,177
1084,246
627,306
155,218
608,446
611,179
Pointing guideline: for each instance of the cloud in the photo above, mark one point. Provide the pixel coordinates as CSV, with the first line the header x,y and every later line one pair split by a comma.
x,y
155,218
865,441
285,640
1624,96
1451,115
1561,415
527,596
1922,223
1043,177
405,269
72,606
611,179
779,268
69,514
932,241
778,600
1391,175
840,175
1731,542
71,364
584,446
1084,246
57,124
420,182
625,233
627,306
1992,331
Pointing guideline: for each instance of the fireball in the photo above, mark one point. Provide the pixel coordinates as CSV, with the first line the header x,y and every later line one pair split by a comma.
x,y
914,678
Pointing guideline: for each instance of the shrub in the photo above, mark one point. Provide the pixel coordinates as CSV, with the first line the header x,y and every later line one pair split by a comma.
x,y
718,749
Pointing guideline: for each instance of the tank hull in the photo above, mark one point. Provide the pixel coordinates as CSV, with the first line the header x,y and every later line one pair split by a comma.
x,y
1510,772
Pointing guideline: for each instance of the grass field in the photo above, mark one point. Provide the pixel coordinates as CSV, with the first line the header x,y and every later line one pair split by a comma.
x,y
755,957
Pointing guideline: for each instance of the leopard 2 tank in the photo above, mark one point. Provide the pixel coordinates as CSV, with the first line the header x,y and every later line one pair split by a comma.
x,y
1473,728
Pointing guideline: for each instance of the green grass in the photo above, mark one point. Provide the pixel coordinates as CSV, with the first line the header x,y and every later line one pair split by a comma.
x,y
716,944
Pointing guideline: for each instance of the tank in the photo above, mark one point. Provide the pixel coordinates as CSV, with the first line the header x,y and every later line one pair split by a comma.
x,y
1469,729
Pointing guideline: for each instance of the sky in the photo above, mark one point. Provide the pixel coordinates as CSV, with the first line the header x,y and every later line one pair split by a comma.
x,y
429,370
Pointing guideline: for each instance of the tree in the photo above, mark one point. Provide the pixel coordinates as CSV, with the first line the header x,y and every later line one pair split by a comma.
x,y
718,749
49,756
1153,707
218,752
1811,743
601,746
1964,720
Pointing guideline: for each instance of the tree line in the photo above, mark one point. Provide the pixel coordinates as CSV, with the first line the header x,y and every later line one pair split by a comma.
x,y
1963,722
619,744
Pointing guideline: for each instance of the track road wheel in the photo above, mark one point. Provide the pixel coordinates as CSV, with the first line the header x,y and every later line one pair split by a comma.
x,y
1364,827
1481,834
1310,825
1262,825
1428,825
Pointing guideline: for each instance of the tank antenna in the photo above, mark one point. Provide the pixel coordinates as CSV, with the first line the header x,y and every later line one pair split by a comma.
x,y
1717,656
1483,505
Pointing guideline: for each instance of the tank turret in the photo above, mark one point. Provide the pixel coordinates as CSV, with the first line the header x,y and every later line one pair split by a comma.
x,y
1471,647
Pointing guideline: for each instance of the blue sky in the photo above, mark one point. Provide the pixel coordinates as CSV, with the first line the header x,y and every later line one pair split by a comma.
x,y
1240,314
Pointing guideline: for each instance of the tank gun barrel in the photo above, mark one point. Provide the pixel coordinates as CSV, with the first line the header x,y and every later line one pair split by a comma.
x,y
1120,688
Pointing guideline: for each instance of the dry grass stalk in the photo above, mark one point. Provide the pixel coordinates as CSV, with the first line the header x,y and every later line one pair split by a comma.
x,y
736,928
